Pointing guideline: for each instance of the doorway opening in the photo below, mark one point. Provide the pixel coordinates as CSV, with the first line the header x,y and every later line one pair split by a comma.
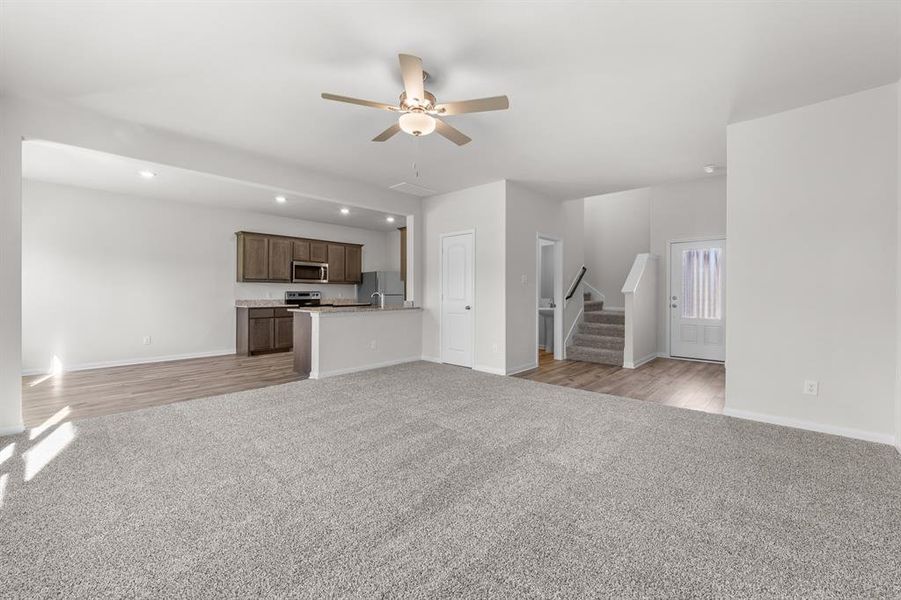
x,y
549,298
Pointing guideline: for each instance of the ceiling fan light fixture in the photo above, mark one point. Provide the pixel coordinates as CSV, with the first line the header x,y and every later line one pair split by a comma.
x,y
416,123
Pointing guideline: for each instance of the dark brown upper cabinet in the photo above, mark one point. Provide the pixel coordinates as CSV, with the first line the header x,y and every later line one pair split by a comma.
x,y
280,256
319,251
253,257
264,257
302,250
336,266
353,264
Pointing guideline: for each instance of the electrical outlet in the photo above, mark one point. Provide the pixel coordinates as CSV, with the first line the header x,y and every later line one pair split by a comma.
x,y
147,340
811,387
372,344
524,279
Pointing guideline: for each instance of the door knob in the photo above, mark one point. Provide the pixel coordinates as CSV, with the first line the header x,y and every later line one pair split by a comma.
x,y
467,307
673,305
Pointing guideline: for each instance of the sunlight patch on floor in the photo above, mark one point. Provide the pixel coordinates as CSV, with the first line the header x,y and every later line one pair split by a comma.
x,y
7,452
53,420
40,455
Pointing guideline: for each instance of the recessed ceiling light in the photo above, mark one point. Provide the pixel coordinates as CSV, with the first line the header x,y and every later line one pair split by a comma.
x,y
390,219
709,168
147,174
281,199
345,211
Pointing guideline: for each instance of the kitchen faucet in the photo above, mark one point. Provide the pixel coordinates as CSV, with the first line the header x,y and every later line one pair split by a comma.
x,y
381,298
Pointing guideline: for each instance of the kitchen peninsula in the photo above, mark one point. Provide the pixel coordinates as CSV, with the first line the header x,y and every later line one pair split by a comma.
x,y
333,340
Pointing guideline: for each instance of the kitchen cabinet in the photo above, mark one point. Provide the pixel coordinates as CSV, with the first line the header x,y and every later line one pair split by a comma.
x,y
263,330
319,251
253,252
353,264
302,250
283,333
336,266
268,258
280,256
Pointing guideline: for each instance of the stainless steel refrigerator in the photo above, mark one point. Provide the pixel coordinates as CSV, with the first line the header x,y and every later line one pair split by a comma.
x,y
387,282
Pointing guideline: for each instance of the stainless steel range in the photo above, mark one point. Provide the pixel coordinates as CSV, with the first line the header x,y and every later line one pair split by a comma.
x,y
303,298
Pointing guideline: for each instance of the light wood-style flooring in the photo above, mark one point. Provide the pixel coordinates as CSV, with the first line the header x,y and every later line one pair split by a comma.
x,y
120,389
681,383
698,386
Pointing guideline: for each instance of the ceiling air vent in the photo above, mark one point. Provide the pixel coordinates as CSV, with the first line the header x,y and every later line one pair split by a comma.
x,y
409,188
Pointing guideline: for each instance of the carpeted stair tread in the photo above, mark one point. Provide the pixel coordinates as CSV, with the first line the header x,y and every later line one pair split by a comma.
x,y
610,329
596,355
593,305
603,342
605,316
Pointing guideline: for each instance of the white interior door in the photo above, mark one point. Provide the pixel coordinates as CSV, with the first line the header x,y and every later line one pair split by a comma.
x,y
697,301
456,299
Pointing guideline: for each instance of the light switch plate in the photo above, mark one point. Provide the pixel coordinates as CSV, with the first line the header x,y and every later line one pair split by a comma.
x,y
811,387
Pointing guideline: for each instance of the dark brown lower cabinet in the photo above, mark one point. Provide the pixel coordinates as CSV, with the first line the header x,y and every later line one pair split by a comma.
x,y
262,330
284,332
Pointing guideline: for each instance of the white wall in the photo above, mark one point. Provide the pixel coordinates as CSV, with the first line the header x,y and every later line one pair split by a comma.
x,y
480,208
616,229
21,119
642,296
812,227
393,250
898,292
622,225
573,258
100,271
687,210
350,342
527,215
546,285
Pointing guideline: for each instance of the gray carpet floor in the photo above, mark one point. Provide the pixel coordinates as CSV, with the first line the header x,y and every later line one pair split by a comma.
x,y
429,481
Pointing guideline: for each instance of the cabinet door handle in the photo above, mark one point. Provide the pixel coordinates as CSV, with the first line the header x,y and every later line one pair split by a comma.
x,y
467,307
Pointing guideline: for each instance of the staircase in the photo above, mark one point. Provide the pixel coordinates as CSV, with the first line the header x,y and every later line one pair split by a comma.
x,y
600,336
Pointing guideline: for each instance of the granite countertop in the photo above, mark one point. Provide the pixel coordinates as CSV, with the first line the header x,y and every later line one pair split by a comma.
x,y
351,309
273,303
261,304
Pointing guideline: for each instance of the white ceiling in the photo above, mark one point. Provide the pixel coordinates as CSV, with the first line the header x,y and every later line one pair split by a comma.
x,y
603,96
69,165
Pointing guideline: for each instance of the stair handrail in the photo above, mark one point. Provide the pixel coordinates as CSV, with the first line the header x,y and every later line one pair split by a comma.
x,y
576,282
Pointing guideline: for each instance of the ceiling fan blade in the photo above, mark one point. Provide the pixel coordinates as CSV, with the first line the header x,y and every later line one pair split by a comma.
x,y
411,71
349,100
471,106
454,135
387,134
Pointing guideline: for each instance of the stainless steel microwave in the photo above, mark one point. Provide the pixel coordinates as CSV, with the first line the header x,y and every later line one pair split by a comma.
x,y
309,272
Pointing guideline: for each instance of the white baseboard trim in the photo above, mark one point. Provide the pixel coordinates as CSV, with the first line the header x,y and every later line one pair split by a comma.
x,y
133,361
348,370
492,370
858,434
521,368
432,359
641,361
11,430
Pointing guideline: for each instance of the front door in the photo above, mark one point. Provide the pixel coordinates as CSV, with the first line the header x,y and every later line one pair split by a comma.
x,y
456,299
697,301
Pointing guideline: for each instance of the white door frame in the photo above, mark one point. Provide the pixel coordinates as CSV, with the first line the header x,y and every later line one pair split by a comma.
x,y
558,291
472,276
669,291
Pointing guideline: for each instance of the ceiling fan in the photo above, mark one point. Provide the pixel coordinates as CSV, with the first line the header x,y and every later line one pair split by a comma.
x,y
419,109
